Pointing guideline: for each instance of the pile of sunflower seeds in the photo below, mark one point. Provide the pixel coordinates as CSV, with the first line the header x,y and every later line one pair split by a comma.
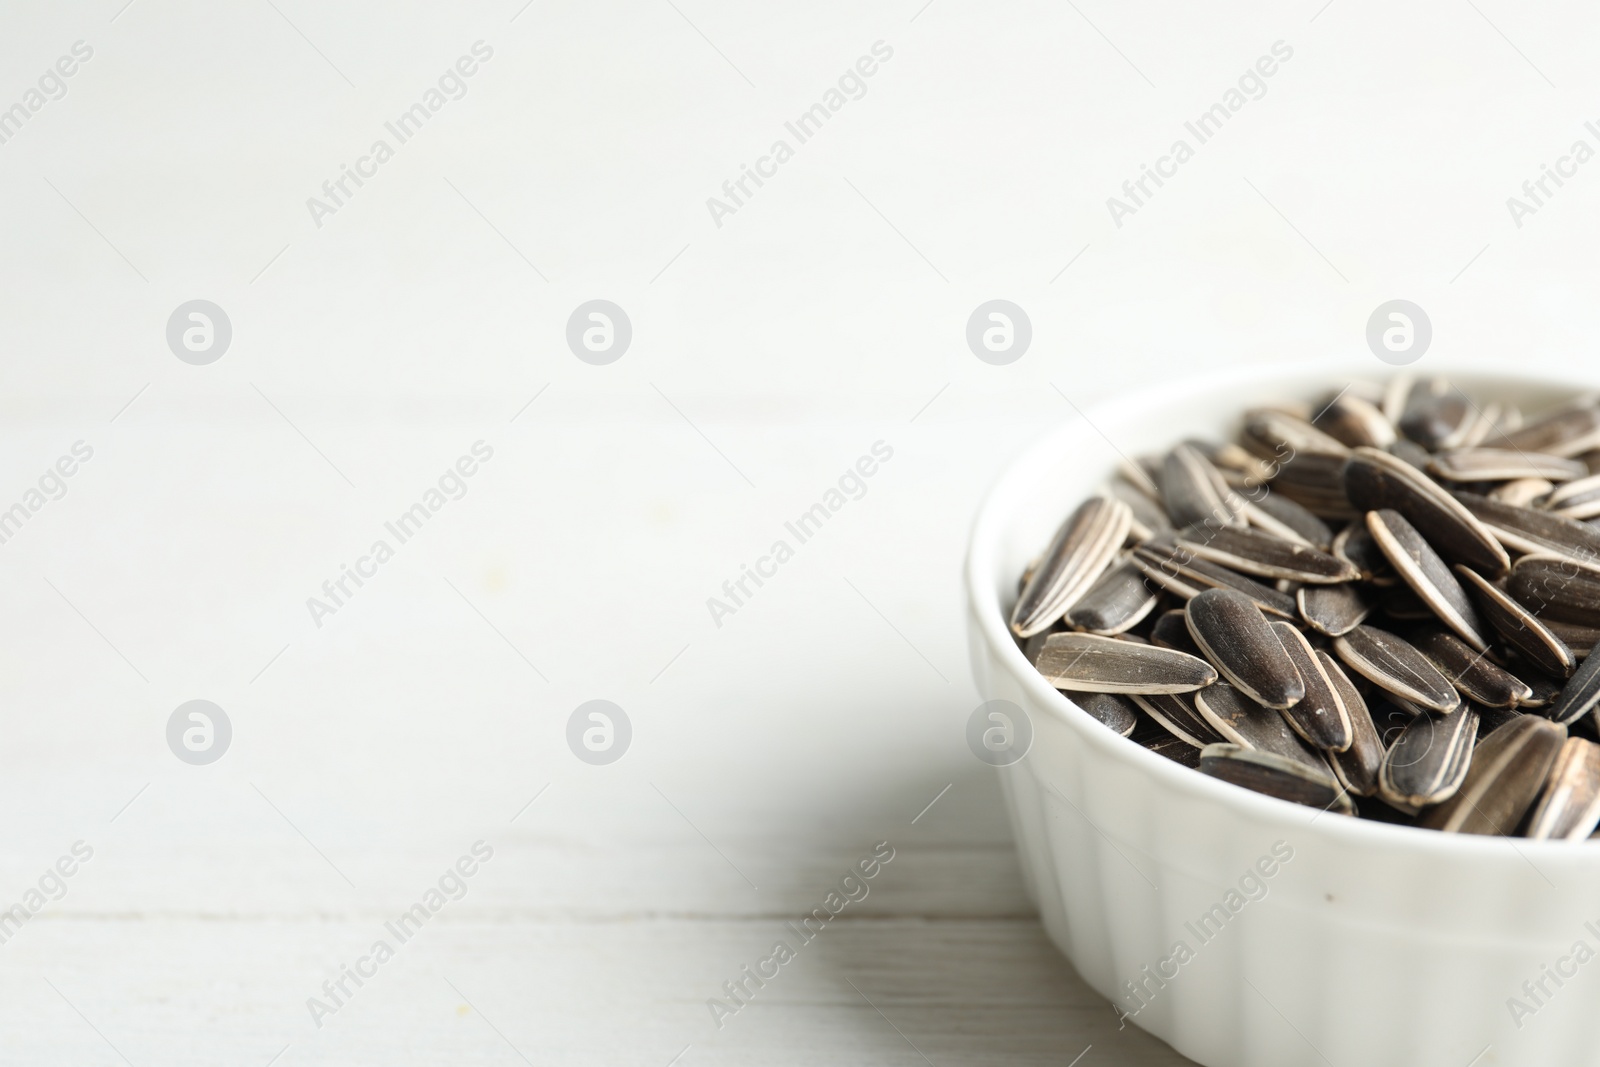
x,y
1382,603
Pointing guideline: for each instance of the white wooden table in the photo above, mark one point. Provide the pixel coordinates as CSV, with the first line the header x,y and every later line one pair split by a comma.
x,y
769,352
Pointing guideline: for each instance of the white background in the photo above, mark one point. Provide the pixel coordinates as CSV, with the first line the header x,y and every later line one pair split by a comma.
x,y
768,354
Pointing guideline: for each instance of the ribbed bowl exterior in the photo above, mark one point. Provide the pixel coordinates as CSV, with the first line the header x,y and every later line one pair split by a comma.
x,y
1343,942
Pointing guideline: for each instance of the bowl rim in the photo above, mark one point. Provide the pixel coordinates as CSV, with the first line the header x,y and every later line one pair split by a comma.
x,y
985,611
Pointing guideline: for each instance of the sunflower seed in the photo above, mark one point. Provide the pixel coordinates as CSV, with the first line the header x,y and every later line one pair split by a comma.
x,y
1354,544
1422,569
1520,628
1274,434
1376,480
1411,454
1399,603
1290,521
1171,630
1568,809
1237,638
1149,519
1428,761
1179,571
1578,638
1530,530
1434,410
1032,646
1177,713
1333,609
1395,667
1557,588
1491,719
1264,555
1566,431
1357,766
1238,466
1315,480
1546,690
1116,602
1319,716
1116,713
1470,672
1503,464
1193,491
1580,695
1139,474
1242,721
1158,739
1478,427
1508,768
1083,547
1353,422
1090,663
1578,499
1395,395
1275,776
1522,492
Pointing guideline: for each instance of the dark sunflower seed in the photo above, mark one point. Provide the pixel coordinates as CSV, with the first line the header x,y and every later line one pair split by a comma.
x,y
1470,672
1149,518
1576,500
1177,712
1566,590
1238,640
1083,547
1521,493
1566,431
1580,695
1264,555
1319,716
1333,609
1275,776
1401,603
1519,627
1411,454
1476,430
1181,572
1090,663
1274,434
1239,467
1503,464
1354,544
1421,568
1193,491
1568,809
1546,690
1428,761
1531,530
1491,719
1434,410
1116,602
1508,768
1316,481
1578,638
1395,667
1171,630
1242,721
1279,515
1158,739
1116,713
1377,480
1143,474
1354,421
1357,766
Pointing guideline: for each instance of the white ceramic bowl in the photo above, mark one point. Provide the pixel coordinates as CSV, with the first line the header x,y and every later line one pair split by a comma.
x,y
1373,944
